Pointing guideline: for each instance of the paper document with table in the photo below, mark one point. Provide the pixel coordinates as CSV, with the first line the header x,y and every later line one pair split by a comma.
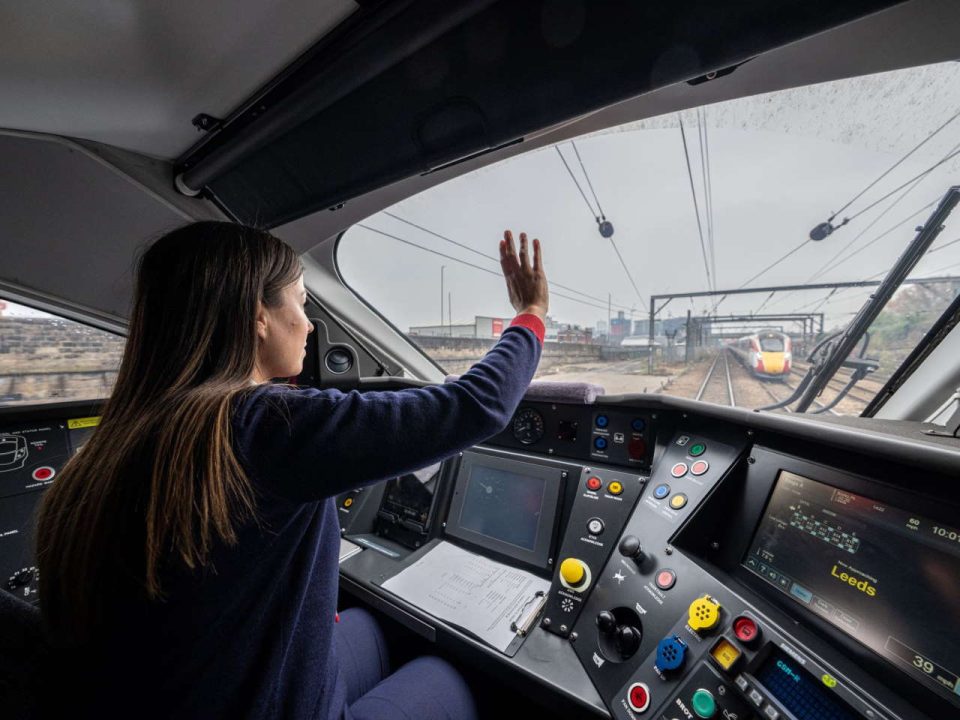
x,y
492,601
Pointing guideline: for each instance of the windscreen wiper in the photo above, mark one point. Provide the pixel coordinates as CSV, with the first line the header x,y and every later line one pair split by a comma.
x,y
821,373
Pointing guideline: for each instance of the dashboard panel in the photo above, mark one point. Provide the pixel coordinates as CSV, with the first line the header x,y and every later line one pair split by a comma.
x,y
696,561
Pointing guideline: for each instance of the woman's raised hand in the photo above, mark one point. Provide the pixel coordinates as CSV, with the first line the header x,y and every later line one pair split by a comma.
x,y
526,283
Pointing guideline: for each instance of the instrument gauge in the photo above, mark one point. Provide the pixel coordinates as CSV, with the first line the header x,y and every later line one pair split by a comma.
x,y
528,426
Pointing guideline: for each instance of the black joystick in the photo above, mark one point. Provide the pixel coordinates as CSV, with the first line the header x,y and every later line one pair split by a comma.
x,y
630,547
628,640
606,622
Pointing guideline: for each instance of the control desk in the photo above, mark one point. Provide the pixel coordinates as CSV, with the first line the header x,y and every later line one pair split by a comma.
x,y
691,561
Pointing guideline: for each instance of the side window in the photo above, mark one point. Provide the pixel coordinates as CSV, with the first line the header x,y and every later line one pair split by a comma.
x,y
45,358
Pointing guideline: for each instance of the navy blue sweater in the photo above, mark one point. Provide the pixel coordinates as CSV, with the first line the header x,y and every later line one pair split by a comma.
x,y
250,636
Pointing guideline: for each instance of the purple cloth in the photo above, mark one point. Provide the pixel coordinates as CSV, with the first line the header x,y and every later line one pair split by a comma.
x,y
580,393
251,635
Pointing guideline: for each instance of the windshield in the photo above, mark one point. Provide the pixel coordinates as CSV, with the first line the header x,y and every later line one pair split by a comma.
x,y
726,241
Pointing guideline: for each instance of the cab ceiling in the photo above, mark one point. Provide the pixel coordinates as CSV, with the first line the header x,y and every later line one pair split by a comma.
x,y
133,74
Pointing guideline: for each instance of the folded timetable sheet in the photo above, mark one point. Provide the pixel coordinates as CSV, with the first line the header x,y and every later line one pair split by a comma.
x,y
470,591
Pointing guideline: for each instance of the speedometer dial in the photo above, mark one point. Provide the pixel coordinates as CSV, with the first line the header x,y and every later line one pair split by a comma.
x,y
528,426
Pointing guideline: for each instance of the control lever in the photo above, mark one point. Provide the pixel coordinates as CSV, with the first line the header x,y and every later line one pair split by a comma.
x,y
628,640
630,547
606,622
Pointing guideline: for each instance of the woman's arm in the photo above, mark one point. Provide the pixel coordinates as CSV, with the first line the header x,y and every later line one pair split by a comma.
x,y
309,444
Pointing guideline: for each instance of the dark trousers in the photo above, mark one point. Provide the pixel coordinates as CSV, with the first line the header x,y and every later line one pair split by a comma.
x,y
427,688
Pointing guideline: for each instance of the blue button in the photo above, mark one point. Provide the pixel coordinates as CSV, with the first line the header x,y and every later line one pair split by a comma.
x,y
600,443
602,421
801,592
671,652
638,424
661,491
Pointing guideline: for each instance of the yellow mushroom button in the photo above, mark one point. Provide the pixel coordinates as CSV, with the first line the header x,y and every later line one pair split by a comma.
x,y
678,501
572,571
703,614
614,488
348,502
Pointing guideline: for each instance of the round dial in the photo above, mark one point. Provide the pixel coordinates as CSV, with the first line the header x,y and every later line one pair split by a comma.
x,y
528,426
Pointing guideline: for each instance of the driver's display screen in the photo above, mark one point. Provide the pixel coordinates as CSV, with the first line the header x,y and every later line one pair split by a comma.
x,y
887,577
503,505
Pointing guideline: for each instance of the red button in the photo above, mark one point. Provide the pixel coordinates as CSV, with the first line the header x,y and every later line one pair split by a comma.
x,y
746,630
43,473
594,483
679,470
639,697
699,467
637,448
666,579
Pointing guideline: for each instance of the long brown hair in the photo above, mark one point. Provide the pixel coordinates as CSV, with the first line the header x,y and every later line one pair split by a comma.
x,y
160,470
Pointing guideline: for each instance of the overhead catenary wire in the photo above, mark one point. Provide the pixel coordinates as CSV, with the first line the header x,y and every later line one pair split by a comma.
x,y
696,208
912,186
596,215
891,169
900,187
466,262
589,182
492,258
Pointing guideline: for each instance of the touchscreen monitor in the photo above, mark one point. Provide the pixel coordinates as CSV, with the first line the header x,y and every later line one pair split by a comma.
x,y
887,577
506,505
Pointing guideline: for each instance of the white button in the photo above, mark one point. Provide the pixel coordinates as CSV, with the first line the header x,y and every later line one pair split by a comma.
x,y
595,526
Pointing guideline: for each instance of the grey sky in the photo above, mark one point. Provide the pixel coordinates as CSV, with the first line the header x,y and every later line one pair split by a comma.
x,y
780,163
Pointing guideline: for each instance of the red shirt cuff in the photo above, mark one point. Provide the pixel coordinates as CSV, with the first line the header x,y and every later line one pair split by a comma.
x,y
531,322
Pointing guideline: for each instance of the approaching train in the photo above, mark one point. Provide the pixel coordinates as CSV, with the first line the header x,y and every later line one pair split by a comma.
x,y
767,353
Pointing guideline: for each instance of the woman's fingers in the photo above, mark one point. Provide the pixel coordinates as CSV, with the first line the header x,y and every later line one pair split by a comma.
x,y
524,254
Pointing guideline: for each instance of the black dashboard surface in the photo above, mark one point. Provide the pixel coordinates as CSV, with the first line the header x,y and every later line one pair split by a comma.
x,y
658,501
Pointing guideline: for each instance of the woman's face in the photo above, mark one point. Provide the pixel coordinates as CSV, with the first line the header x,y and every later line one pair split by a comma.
x,y
282,331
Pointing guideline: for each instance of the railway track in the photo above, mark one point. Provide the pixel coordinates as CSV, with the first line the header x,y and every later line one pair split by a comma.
x,y
717,385
838,382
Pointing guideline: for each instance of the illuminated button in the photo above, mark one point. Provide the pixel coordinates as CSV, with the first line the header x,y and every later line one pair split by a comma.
x,y
615,488
771,713
602,421
697,449
746,630
661,491
699,467
573,572
666,579
679,470
594,526
348,502
725,654
44,473
637,448
638,424
639,697
678,501
703,614
600,443
671,652
594,483
704,705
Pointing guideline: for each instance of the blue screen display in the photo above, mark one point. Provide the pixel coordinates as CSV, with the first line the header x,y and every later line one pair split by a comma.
x,y
799,692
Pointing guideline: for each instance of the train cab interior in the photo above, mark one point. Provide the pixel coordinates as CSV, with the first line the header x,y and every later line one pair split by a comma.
x,y
731,492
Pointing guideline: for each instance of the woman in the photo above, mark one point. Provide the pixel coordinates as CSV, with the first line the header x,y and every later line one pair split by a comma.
x,y
189,553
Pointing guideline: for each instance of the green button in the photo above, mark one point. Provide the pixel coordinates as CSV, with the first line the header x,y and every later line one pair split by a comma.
x,y
697,449
703,704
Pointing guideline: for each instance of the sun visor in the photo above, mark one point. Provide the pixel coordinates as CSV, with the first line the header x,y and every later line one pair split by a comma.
x,y
472,82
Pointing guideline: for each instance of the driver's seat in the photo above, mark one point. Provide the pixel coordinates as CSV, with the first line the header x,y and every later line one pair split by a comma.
x,y
23,652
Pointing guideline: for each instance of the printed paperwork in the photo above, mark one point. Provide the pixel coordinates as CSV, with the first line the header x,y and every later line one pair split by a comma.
x,y
486,598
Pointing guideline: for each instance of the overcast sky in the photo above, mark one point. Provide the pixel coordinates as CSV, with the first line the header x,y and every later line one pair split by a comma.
x,y
780,163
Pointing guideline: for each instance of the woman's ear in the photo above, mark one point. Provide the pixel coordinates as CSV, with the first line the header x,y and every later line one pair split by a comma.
x,y
261,321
